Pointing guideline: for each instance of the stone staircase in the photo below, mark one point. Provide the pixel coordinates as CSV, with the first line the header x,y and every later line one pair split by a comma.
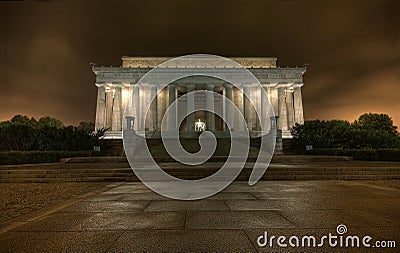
x,y
60,173
278,171
98,169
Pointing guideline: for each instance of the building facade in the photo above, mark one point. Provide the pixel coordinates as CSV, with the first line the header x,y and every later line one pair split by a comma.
x,y
115,86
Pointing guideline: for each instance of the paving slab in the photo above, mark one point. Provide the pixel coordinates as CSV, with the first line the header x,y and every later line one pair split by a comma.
x,y
184,241
172,205
109,197
280,204
315,218
385,233
106,206
55,222
284,194
242,186
366,218
233,195
26,241
142,196
143,220
235,220
89,241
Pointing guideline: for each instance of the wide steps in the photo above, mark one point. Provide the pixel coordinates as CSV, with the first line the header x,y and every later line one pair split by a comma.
x,y
100,172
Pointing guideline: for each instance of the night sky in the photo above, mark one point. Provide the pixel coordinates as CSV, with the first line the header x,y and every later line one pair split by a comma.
x,y
352,48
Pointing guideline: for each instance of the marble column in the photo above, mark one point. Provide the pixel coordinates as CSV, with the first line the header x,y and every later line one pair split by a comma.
x,y
153,107
172,124
263,111
117,110
246,106
238,98
146,107
228,109
109,105
210,119
161,105
100,108
136,103
273,98
289,107
298,105
282,122
190,108
124,97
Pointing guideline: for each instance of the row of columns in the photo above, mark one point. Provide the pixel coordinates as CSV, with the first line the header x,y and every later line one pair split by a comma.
x,y
288,106
190,106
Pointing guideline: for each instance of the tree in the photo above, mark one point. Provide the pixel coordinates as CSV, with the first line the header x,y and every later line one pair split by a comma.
x,y
23,120
368,131
373,130
322,134
50,122
17,133
377,122
86,126
23,133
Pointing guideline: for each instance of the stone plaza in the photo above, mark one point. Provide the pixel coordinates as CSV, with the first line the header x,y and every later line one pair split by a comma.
x,y
128,217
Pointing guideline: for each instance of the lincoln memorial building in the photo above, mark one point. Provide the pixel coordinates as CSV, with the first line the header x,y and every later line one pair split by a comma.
x,y
115,86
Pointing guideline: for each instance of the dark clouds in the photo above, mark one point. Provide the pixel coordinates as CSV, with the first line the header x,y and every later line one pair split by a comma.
x,y
353,48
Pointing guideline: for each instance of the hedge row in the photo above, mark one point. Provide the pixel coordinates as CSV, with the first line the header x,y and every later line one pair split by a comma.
x,y
25,157
385,154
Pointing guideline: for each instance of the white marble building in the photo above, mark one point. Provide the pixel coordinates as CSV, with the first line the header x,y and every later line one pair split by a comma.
x,y
115,85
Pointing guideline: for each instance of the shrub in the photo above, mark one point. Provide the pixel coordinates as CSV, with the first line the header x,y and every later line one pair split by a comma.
x,y
384,154
46,134
323,134
26,157
21,157
370,131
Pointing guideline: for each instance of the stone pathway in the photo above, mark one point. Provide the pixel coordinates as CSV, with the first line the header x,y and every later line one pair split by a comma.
x,y
21,198
128,217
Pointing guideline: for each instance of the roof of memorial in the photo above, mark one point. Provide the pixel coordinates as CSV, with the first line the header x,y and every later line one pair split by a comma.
x,y
151,62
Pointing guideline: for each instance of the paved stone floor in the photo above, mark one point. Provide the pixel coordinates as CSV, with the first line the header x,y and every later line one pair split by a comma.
x,y
21,198
123,217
